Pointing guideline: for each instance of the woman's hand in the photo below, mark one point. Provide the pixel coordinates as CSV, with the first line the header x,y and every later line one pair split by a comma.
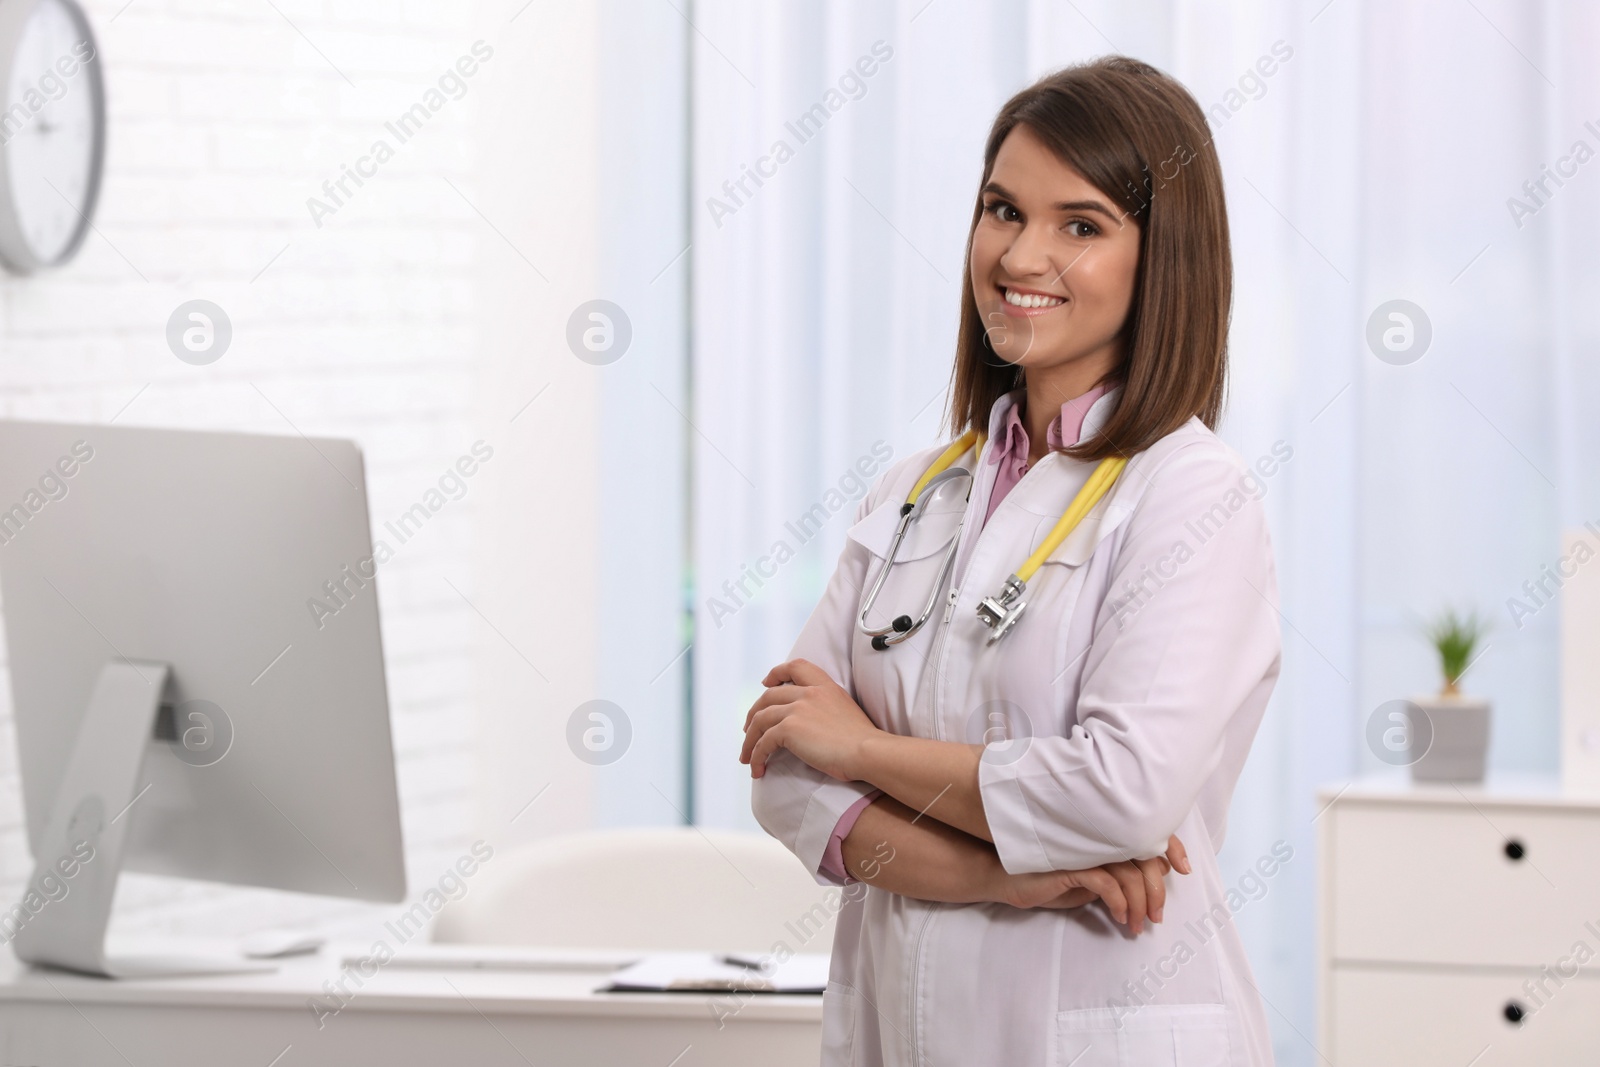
x,y
1132,890
811,715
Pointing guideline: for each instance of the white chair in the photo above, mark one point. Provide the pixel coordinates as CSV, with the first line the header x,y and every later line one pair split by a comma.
x,y
661,889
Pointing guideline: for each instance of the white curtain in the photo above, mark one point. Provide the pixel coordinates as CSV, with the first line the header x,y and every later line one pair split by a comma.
x,y
1373,163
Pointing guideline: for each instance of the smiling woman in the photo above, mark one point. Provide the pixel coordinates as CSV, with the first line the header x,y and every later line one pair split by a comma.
x,y
1017,809
1092,232
1053,277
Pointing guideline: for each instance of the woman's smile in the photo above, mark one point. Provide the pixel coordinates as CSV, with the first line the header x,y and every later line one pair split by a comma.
x,y
1028,303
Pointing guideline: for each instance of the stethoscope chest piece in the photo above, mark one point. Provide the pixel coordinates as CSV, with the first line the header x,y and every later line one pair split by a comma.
x,y
1000,613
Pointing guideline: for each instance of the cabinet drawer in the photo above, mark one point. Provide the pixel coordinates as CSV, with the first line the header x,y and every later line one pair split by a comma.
x,y
1487,885
1398,1018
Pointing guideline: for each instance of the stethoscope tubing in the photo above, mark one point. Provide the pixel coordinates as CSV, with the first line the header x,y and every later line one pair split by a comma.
x,y
903,626
1001,611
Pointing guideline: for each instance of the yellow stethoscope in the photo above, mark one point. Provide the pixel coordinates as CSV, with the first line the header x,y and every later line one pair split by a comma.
x,y
1001,611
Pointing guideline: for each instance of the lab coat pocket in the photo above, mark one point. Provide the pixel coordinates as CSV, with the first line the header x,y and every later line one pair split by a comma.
x,y
838,1025
928,534
1103,520
908,586
1149,1035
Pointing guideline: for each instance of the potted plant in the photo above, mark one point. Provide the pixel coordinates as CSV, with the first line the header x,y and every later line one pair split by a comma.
x,y
1455,741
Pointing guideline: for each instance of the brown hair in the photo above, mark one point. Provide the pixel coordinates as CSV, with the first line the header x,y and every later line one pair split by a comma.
x,y
1139,137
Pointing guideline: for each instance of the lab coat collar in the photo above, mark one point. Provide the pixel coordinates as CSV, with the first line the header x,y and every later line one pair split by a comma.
x,y
1042,497
1099,412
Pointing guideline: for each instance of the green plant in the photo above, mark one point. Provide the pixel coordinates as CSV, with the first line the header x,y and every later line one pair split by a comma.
x,y
1455,636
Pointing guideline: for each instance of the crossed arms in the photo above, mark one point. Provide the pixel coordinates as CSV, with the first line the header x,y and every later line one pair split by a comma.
x,y
898,844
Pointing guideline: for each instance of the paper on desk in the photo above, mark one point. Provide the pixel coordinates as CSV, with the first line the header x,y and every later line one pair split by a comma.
x,y
662,972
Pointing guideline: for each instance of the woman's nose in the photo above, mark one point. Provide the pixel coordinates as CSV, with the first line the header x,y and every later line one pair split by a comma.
x,y
1028,256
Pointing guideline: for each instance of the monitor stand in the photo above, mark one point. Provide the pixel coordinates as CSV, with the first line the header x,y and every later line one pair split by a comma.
x,y
67,906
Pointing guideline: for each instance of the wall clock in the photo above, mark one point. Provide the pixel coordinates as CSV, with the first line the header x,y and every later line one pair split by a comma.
x,y
52,131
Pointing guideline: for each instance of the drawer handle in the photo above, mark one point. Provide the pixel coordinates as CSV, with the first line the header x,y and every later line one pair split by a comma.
x,y
1514,1013
1515,850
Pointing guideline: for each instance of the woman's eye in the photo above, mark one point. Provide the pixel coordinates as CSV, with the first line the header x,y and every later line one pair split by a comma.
x,y
1003,211
1080,228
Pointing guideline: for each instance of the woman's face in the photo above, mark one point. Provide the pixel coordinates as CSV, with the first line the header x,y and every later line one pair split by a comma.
x,y
1054,262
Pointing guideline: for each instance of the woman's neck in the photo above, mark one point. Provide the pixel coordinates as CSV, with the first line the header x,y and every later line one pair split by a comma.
x,y
1050,387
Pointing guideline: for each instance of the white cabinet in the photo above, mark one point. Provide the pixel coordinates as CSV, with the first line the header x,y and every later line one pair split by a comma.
x,y
1456,1016
1459,924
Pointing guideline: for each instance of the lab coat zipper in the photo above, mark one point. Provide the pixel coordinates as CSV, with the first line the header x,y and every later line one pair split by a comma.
x,y
941,646
914,1002
915,999
940,652
942,642
944,630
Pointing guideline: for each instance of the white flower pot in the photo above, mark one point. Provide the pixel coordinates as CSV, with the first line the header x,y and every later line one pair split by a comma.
x,y
1455,741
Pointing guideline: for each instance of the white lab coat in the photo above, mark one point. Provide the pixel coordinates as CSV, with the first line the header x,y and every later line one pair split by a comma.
x,y
1142,665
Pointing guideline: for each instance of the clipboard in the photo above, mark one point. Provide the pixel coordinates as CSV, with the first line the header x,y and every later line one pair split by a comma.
x,y
707,972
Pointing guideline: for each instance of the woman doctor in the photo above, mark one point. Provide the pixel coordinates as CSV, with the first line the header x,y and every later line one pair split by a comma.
x,y
1010,802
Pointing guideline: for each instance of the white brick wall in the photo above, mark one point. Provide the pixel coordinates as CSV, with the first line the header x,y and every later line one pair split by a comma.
x,y
223,120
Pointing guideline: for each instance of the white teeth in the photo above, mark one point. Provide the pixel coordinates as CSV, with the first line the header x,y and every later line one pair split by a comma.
x,y
1031,300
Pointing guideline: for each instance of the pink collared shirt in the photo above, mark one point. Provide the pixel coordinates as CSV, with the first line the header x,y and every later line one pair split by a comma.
x,y
1010,451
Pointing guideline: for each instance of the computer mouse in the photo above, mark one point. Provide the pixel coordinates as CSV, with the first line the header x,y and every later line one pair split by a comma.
x,y
276,944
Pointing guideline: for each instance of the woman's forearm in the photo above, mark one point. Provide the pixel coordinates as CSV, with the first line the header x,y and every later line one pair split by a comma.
x,y
891,847
937,777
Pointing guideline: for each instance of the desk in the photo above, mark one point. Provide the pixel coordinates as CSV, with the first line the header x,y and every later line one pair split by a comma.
x,y
416,1010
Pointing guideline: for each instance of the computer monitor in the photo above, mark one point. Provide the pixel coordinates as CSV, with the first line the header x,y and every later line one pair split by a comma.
x,y
196,674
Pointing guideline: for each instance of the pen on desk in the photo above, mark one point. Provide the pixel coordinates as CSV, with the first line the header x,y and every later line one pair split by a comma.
x,y
740,961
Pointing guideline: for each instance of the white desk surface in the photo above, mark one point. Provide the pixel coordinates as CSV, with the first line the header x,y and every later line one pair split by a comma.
x,y
408,1012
